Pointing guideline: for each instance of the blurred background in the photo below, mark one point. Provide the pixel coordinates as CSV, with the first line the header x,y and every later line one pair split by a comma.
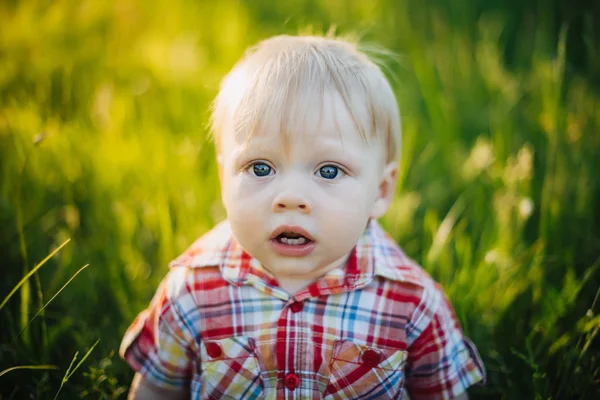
x,y
103,141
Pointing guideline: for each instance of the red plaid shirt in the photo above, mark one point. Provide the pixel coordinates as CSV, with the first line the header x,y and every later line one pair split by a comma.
x,y
379,327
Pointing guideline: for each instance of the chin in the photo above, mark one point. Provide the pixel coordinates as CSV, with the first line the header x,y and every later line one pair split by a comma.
x,y
292,266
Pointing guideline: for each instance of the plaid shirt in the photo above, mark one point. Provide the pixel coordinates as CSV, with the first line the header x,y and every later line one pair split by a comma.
x,y
378,327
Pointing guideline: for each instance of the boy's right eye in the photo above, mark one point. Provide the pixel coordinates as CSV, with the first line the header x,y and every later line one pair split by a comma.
x,y
260,169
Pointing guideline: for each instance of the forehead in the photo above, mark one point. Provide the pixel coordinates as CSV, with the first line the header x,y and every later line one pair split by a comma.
x,y
310,119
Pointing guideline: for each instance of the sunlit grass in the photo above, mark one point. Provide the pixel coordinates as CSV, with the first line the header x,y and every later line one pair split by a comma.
x,y
103,139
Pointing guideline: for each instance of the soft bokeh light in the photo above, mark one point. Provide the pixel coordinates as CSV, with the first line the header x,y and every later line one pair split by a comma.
x,y
104,139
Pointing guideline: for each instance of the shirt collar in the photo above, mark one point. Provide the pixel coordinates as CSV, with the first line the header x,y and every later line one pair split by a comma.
x,y
375,254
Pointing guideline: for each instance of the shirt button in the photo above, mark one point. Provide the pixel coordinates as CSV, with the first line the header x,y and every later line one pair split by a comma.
x,y
291,381
371,358
213,349
296,307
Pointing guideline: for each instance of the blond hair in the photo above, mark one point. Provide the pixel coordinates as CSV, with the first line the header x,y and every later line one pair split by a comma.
x,y
286,77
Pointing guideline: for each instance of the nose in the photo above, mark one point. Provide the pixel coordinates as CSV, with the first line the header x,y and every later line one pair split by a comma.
x,y
291,200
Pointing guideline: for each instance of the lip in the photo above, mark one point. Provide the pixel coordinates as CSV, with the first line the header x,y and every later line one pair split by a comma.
x,y
291,229
288,250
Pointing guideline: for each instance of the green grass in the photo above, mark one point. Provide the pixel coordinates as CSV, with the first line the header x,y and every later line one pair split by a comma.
x,y
103,140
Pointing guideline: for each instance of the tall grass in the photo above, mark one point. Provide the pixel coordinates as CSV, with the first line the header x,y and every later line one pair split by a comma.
x,y
103,139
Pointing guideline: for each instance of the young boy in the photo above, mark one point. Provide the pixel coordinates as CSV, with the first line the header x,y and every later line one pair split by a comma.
x,y
300,294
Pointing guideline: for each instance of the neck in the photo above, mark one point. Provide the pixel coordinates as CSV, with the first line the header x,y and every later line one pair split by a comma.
x,y
294,283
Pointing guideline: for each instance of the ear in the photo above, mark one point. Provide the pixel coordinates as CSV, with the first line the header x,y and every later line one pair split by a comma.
x,y
386,190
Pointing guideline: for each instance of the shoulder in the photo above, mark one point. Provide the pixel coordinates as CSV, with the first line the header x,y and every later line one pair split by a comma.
x,y
405,278
198,267
442,360
392,263
183,285
195,270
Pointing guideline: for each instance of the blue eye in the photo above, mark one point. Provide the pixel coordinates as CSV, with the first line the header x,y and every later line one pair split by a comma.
x,y
261,169
328,171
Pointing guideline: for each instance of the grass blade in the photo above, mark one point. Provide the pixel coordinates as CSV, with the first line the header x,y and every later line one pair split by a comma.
x,y
83,359
70,372
49,301
31,273
445,228
28,367
65,377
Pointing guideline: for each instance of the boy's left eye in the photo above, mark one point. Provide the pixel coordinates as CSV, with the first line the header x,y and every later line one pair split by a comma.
x,y
329,171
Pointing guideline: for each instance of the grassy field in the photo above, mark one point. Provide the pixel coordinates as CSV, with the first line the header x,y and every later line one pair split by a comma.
x,y
103,143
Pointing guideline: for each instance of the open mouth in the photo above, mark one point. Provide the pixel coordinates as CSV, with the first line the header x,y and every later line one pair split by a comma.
x,y
293,239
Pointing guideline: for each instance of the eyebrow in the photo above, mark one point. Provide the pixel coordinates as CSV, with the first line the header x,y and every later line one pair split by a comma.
x,y
263,147
251,150
334,145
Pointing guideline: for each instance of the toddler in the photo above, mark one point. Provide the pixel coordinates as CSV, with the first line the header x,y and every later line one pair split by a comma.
x,y
300,294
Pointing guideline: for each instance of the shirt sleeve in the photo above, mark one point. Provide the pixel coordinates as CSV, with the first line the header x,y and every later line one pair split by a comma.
x,y
442,363
159,344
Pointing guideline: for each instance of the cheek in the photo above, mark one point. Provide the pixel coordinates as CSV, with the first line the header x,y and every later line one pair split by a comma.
x,y
244,213
230,192
342,229
349,198
345,208
240,196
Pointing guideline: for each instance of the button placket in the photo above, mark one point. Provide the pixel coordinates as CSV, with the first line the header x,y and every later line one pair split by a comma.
x,y
291,381
297,306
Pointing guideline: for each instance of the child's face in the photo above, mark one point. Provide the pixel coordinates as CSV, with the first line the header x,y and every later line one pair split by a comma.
x,y
322,185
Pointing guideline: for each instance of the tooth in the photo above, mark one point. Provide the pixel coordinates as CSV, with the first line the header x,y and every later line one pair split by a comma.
x,y
293,242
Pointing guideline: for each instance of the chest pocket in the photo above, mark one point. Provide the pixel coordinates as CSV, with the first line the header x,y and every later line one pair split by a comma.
x,y
230,369
362,372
